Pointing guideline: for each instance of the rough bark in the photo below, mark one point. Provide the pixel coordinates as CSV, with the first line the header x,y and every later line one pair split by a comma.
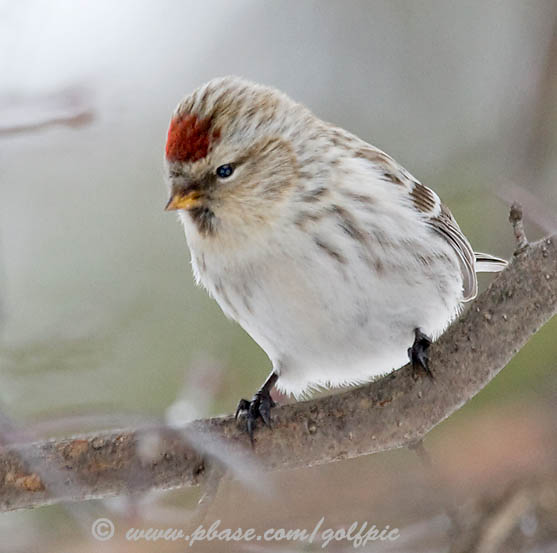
x,y
394,411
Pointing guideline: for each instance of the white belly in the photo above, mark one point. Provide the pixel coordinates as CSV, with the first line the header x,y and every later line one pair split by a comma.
x,y
330,322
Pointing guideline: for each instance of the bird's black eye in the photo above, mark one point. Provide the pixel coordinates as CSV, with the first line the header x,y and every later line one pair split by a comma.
x,y
224,171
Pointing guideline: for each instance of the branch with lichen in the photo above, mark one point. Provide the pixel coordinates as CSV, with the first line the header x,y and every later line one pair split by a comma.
x,y
394,411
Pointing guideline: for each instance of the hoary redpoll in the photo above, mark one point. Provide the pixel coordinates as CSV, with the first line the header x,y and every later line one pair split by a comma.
x,y
337,261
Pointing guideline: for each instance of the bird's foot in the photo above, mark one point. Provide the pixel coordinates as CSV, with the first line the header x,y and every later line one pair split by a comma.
x,y
259,407
419,354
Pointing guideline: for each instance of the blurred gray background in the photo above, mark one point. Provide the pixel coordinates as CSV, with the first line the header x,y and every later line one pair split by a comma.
x,y
100,314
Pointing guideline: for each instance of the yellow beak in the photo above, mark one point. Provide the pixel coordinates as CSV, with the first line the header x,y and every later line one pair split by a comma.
x,y
189,200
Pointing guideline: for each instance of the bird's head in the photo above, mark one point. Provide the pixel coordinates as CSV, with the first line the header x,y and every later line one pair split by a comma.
x,y
231,156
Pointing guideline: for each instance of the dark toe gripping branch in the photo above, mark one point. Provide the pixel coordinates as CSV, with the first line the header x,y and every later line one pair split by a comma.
x,y
419,354
259,407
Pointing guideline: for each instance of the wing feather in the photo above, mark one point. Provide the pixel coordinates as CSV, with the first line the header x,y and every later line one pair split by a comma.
x,y
438,217
445,225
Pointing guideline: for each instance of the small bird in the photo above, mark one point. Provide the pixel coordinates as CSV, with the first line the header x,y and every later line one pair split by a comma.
x,y
336,260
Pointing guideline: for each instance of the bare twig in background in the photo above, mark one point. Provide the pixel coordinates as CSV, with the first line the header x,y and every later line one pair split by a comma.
x,y
391,412
70,107
528,150
539,128
502,520
214,477
495,520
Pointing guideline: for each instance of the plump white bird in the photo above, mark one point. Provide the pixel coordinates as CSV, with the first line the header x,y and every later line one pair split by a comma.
x,y
329,254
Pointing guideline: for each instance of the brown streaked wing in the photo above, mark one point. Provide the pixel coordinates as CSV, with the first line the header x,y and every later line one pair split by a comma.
x,y
424,199
445,225
391,170
436,213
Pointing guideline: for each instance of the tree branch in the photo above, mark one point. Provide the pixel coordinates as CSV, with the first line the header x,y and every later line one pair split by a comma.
x,y
391,412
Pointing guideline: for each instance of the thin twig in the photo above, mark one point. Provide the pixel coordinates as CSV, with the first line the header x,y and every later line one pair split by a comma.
x,y
537,211
496,527
494,522
515,217
215,475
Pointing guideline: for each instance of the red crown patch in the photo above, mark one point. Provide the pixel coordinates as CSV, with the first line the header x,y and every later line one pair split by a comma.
x,y
189,138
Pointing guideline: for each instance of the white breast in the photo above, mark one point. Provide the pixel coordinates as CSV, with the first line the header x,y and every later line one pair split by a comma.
x,y
327,309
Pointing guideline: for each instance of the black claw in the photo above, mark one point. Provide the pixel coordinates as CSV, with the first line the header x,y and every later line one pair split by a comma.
x,y
265,406
243,405
259,407
419,354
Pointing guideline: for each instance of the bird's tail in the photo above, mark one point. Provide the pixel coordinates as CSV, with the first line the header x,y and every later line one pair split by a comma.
x,y
486,263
